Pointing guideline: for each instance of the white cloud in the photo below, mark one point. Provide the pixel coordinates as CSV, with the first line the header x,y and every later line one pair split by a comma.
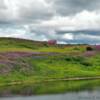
x,y
83,20
41,20
25,10
68,36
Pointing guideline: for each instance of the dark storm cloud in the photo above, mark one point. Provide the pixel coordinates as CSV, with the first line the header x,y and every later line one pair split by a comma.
x,y
31,10
69,7
36,11
25,11
86,32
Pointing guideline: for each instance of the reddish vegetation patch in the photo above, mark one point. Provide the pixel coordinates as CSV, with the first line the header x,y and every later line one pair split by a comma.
x,y
8,62
15,54
89,53
9,57
97,47
21,54
7,67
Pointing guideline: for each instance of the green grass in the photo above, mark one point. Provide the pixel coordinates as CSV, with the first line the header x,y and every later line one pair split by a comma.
x,y
11,44
53,67
68,63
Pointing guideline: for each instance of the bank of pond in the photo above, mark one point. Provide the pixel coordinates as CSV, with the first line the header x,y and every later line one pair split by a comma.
x,y
45,88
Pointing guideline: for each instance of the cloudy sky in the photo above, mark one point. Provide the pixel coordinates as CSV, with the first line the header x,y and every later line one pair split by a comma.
x,y
68,21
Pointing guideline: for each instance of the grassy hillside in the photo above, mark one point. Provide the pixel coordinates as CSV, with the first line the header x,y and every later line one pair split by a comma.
x,y
26,61
14,44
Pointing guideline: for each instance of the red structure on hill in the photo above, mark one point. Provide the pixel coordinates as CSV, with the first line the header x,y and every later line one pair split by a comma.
x,y
52,42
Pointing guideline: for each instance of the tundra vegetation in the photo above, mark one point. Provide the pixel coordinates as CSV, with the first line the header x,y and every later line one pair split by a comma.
x,y
35,61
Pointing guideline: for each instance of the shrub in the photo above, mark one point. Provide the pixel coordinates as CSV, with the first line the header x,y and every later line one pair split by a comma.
x,y
79,60
86,63
70,58
45,44
73,58
76,48
89,48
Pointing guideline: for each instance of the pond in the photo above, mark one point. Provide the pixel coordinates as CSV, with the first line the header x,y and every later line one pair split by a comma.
x,y
60,90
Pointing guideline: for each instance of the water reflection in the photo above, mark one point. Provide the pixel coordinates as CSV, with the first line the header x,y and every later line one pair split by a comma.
x,y
67,96
69,90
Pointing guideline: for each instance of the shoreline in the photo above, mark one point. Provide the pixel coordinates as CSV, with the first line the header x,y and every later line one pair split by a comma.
x,y
49,80
75,79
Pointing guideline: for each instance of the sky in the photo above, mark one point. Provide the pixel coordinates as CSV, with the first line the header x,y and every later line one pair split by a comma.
x,y
67,21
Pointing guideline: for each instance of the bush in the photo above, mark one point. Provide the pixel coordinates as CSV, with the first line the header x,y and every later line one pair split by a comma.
x,y
89,48
73,58
80,60
45,44
86,63
76,48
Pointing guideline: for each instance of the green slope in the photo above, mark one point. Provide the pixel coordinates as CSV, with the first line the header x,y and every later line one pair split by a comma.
x,y
14,44
18,63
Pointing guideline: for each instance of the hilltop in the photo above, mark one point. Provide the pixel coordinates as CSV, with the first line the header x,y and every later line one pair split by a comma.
x,y
16,44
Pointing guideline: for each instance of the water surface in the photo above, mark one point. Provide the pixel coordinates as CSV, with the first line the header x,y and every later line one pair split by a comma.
x,y
64,90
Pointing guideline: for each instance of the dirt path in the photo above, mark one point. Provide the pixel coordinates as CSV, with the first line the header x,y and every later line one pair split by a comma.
x,y
50,80
75,79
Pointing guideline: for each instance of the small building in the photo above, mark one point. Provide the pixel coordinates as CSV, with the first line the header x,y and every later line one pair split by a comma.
x,y
52,42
